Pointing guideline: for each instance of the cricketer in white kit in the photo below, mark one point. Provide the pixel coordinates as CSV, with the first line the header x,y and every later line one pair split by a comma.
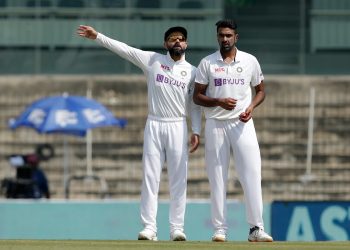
x,y
224,81
170,82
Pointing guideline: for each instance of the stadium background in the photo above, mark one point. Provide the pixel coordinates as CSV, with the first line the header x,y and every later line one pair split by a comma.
x,y
302,45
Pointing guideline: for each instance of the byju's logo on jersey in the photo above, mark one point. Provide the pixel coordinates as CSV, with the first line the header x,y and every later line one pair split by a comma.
x,y
167,80
160,78
218,82
229,81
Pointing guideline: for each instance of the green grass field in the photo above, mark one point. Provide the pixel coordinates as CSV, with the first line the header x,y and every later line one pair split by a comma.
x,y
144,245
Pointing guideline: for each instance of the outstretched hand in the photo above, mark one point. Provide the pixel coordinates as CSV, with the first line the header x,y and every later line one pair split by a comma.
x,y
194,142
87,31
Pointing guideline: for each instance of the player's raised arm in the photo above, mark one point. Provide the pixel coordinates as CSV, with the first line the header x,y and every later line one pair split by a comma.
x,y
87,31
136,56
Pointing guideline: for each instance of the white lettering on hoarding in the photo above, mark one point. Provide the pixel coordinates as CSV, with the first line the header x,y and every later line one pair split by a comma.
x,y
329,225
300,227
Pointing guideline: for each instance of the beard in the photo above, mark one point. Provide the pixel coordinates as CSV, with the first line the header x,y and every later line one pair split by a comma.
x,y
226,47
176,50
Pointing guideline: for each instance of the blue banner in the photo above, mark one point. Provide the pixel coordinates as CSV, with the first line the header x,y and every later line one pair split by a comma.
x,y
310,221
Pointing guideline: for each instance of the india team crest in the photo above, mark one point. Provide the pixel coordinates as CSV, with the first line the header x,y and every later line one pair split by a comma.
x,y
183,73
239,69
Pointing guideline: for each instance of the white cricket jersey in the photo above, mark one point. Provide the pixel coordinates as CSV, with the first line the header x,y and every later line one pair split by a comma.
x,y
229,80
170,83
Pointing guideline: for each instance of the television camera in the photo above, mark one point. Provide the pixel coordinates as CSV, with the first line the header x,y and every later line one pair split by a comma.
x,y
25,185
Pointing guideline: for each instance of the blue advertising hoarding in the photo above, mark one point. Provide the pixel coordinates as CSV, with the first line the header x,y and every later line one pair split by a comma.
x,y
310,221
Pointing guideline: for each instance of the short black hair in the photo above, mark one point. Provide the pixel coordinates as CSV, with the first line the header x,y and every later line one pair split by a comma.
x,y
180,29
227,23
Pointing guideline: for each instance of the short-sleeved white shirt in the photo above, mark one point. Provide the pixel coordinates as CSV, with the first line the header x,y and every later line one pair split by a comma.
x,y
233,80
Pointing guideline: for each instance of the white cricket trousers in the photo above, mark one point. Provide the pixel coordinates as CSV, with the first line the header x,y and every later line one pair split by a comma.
x,y
220,137
164,140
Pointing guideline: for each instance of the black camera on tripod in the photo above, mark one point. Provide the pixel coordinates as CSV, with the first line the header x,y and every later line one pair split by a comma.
x,y
28,180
